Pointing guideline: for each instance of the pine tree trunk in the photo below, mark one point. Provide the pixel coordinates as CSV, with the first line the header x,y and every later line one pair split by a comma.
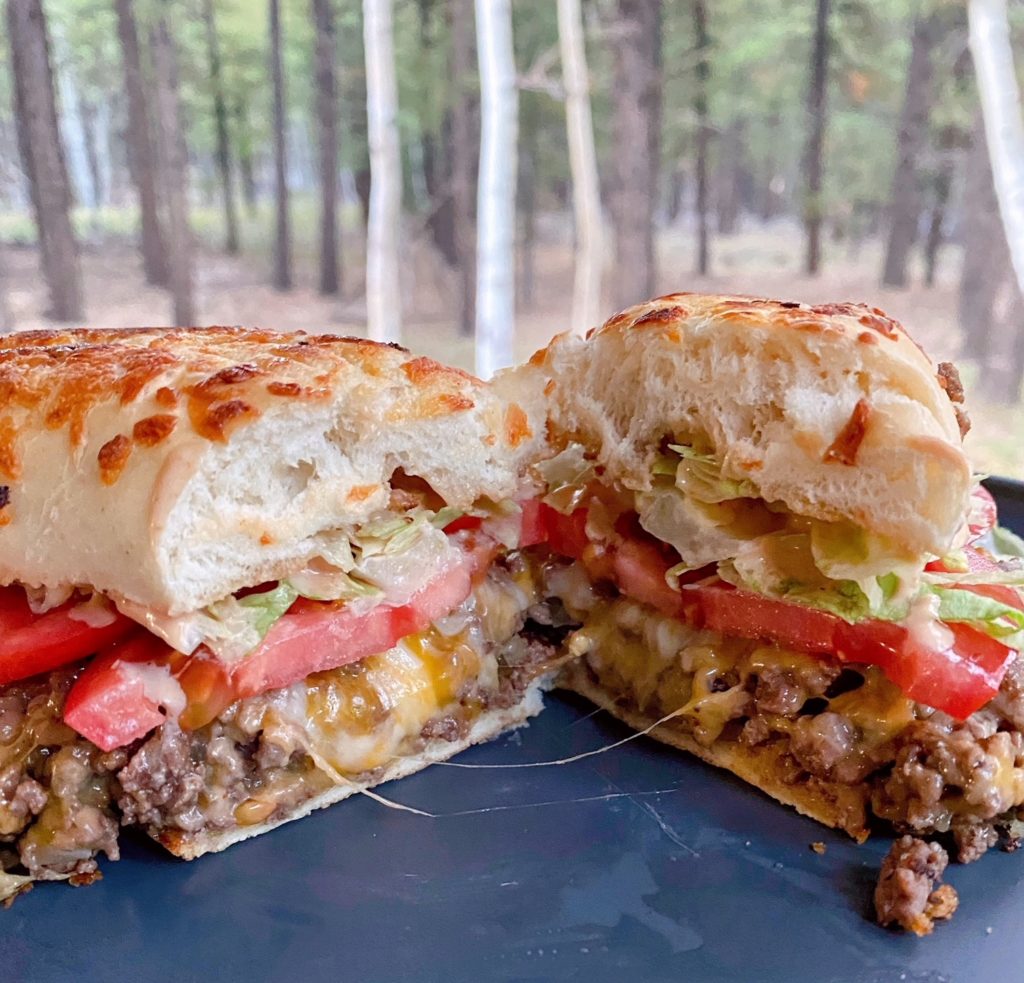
x,y
526,210
586,190
282,278
992,52
904,199
97,190
142,163
43,156
383,287
463,162
636,128
700,108
496,191
813,166
732,175
220,116
985,258
941,186
327,125
174,170
246,165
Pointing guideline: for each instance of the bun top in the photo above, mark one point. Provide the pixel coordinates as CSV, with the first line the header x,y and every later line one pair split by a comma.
x,y
172,467
832,410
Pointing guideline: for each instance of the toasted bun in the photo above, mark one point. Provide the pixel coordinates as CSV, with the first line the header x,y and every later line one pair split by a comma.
x,y
831,803
487,726
173,467
832,410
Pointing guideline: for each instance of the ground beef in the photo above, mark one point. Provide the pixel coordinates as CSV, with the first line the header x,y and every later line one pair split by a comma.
x,y
973,838
821,741
451,728
162,777
907,893
785,691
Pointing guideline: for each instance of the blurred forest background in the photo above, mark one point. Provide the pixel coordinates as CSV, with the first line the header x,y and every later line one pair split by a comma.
x,y
471,177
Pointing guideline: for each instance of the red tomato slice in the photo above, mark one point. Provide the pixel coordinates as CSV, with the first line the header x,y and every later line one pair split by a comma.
x,y
535,528
983,512
565,534
31,644
737,612
110,704
462,523
640,569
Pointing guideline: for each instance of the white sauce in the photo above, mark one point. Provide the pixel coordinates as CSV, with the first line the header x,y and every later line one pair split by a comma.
x,y
925,628
158,684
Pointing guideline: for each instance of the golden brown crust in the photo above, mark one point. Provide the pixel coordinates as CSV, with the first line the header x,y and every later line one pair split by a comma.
x,y
60,377
838,806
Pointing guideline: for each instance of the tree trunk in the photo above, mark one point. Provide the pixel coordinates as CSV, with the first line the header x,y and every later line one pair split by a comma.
x,y
142,164
88,110
992,52
246,167
941,186
282,236
174,170
220,116
526,209
496,191
383,287
676,191
817,91
586,191
327,124
904,199
985,259
700,108
463,162
43,156
636,129
729,193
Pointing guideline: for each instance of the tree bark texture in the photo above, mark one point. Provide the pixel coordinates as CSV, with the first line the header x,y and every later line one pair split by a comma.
x,y
282,277
327,126
942,183
43,156
985,259
142,162
463,160
912,141
496,192
992,51
220,117
817,114
700,109
383,287
174,170
97,189
636,135
586,190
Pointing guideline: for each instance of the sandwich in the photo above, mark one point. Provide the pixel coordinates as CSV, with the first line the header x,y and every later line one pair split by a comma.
x,y
760,523
246,575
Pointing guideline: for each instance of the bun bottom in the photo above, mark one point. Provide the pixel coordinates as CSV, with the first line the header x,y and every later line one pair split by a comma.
x,y
841,807
487,726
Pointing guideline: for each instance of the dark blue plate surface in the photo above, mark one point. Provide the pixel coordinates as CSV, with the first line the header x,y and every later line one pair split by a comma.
x,y
637,864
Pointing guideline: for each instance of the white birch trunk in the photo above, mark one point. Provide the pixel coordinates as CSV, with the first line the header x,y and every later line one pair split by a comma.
x,y
1001,108
383,293
496,193
586,194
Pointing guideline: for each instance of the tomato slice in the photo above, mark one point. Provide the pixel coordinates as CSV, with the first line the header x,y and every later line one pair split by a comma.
x,y
31,644
738,612
111,704
462,523
565,534
534,528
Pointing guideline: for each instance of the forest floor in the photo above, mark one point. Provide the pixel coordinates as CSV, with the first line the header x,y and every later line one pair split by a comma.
x,y
235,290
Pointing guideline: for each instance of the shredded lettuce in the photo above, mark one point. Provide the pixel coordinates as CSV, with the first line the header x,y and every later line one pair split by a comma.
x,y
566,476
700,476
1006,542
994,618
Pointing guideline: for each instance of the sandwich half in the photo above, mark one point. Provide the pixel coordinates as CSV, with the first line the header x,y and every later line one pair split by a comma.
x,y
761,519
246,575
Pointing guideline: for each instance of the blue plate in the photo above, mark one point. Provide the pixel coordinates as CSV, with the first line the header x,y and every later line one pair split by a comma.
x,y
640,861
